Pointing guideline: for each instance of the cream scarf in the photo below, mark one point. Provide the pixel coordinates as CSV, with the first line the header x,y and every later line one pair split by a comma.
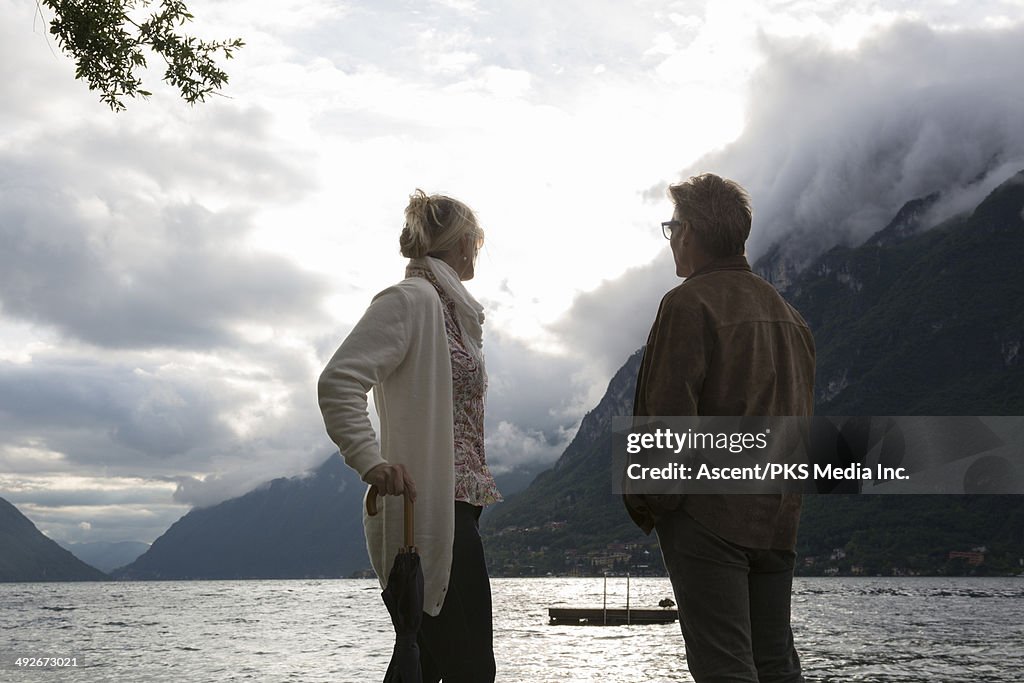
x,y
468,309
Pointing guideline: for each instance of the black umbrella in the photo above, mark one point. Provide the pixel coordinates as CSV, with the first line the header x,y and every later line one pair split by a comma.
x,y
403,597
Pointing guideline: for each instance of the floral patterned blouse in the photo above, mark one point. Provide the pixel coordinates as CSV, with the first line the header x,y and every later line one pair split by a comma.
x,y
474,483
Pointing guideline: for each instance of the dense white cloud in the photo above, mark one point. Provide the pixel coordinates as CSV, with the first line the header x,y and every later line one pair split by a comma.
x,y
534,402
835,142
523,448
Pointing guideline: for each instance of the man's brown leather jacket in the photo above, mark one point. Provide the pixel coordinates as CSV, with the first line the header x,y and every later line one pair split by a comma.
x,y
725,342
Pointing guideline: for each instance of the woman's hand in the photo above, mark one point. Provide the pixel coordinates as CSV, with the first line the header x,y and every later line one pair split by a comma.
x,y
392,480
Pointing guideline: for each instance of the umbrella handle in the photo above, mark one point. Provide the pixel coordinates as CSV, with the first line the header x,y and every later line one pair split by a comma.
x,y
371,510
371,501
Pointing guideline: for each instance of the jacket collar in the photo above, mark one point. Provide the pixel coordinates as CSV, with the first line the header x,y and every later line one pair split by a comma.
x,y
738,262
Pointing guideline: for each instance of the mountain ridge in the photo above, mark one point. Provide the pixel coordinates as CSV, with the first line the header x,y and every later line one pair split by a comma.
x,y
30,556
308,526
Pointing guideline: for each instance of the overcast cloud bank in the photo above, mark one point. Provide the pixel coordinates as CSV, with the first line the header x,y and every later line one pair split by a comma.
x,y
837,141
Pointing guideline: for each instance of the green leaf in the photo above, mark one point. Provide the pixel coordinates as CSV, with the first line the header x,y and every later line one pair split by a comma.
x,y
107,46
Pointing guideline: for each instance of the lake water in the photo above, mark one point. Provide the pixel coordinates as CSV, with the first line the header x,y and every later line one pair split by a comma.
x,y
900,630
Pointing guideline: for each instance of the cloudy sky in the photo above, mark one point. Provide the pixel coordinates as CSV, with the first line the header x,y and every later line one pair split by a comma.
x,y
173,279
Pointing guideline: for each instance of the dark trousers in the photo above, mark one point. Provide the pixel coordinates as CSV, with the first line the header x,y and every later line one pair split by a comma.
x,y
734,605
456,645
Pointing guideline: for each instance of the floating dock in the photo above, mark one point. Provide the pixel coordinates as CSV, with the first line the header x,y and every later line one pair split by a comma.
x,y
603,616
599,616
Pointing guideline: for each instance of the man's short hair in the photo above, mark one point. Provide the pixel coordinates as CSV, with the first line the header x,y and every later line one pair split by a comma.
x,y
719,211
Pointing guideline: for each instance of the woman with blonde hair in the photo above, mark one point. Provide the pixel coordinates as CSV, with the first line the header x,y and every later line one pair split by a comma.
x,y
418,347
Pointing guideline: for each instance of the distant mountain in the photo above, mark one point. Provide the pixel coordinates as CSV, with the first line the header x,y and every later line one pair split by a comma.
x,y
782,268
909,323
28,555
304,527
928,324
105,555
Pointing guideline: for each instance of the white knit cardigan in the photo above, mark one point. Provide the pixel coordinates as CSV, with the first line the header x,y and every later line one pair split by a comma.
x,y
399,350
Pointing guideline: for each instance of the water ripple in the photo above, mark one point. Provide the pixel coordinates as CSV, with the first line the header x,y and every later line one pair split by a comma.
x,y
866,630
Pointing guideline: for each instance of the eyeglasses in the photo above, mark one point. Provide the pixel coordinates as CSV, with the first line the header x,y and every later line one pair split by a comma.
x,y
668,226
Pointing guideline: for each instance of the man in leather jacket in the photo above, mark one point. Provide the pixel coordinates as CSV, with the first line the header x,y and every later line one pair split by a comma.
x,y
725,343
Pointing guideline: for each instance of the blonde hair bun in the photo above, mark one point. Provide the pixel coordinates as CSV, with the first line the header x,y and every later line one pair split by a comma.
x,y
434,224
415,238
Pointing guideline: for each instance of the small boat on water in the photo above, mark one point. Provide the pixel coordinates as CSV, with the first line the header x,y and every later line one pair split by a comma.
x,y
614,616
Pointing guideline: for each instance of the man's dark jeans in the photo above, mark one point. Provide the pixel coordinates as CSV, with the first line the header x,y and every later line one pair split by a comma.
x,y
734,605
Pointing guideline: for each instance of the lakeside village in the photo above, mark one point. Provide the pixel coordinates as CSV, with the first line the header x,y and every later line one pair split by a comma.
x,y
548,550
